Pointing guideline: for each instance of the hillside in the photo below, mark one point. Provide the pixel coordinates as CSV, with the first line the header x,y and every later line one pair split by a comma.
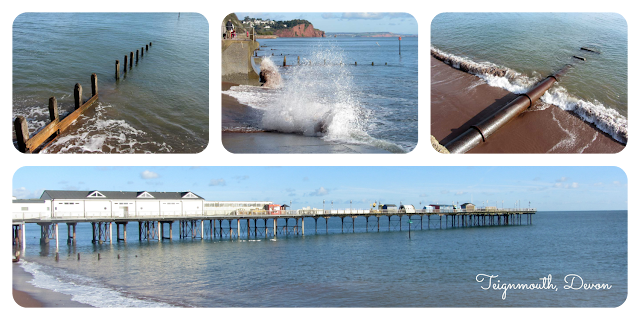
x,y
301,30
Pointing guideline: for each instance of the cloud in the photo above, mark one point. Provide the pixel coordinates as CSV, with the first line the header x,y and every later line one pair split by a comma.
x,y
241,177
292,194
563,179
557,185
574,185
24,193
444,191
320,192
363,15
149,175
328,15
290,190
460,193
217,182
423,195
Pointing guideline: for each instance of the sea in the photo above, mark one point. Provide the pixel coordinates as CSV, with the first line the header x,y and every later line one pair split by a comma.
x,y
431,267
161,105
532,46
327,95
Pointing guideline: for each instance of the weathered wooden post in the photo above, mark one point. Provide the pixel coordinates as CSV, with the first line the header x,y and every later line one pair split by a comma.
x,y
147,47
77,94
150,44
94,84
372,63
356,63
142,51
125,63
136,56
298,60
130,59
117,69
53,109
22,132
284,63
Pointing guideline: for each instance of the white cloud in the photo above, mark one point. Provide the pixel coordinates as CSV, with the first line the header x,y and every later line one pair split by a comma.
x,y
149,175
574,185
217,182
320,192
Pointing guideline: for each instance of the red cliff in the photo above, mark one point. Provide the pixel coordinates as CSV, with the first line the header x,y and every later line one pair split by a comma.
x,y
300,30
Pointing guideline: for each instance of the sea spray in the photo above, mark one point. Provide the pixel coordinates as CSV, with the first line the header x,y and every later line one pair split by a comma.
x,y
269,74
318,99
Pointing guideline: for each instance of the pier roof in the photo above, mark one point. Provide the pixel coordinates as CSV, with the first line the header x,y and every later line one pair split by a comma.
x,y
120,195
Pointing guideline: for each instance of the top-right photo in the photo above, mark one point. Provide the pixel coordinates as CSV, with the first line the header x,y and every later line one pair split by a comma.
x,y
529,83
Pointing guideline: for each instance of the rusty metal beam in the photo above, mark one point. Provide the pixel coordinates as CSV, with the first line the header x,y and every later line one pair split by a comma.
x,y
480,133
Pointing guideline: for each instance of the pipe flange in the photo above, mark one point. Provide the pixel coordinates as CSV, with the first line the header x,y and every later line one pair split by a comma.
x,y
480,131
526,95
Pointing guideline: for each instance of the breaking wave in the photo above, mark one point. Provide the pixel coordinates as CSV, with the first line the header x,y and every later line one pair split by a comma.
x,y
604,118
316,98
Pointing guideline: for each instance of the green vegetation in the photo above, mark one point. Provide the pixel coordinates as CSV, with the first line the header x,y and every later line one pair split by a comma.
x,y
269,27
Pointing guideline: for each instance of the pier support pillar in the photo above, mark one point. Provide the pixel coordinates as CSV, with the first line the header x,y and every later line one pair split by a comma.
x,y
367,228
71,236
238,229
302,226
275,227
47,232
170,237
101,232
126,59
342,224
124,231
316,225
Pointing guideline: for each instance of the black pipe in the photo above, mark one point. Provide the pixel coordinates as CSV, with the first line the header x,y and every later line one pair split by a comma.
x,y
480,132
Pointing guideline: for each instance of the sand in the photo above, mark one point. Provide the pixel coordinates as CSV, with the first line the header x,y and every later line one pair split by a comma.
x,y
28,296
460,100
236,139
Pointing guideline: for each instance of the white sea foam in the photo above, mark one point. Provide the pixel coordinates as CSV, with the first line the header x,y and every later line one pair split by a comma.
x,y
83,289
269,70
102,134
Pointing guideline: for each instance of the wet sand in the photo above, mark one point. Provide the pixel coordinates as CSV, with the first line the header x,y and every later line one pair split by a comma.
x,y
460,100
237,137
28,296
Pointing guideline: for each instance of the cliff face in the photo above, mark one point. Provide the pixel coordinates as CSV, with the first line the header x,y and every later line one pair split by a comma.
x,y
300,31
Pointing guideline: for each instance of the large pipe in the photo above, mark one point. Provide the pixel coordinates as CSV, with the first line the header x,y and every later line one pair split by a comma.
x,y
480,132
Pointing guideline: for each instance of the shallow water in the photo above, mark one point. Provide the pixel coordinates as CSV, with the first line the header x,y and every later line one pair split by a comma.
x,y
161,105
535,45
328,95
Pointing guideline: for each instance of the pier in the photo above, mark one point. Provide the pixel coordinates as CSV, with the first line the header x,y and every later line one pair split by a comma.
x,y
155,214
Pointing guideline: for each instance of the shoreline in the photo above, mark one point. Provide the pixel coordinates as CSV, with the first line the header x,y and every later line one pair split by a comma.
x,y
234,114
460,100
27,295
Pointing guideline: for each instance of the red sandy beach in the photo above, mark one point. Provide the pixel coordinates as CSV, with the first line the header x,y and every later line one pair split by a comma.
x,y
460,100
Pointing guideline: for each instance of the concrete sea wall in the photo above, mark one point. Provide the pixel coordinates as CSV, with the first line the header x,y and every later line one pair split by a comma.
x,y
236,61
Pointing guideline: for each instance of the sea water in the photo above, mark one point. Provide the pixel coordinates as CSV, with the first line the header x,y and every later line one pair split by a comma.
x,y
159,105
535,45
327,95
368,268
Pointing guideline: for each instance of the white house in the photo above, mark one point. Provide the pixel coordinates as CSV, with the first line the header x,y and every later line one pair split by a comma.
x,y
122,204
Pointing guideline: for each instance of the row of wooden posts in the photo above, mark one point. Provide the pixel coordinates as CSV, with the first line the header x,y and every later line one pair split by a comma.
x,y
57,126
284,62
142,50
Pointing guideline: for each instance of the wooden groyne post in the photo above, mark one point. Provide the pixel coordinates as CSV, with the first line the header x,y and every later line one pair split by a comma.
x,y
57,125
128,60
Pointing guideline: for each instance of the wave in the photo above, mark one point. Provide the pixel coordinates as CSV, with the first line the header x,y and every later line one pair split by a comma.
x,y
317,98
83,289
606,119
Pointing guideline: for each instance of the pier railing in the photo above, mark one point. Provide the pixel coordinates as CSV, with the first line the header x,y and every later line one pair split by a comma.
x,y
36,216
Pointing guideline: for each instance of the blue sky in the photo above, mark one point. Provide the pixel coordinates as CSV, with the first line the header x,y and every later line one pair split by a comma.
x,y
547,188
396,22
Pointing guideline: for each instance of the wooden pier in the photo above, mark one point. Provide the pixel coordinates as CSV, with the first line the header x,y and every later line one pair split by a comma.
x,y
265,224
